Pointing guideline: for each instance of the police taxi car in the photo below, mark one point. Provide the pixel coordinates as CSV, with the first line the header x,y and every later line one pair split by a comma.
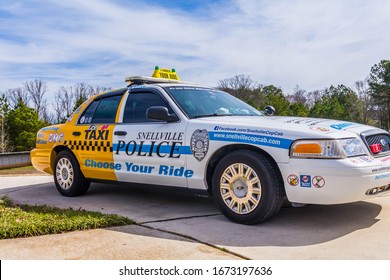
x,y
159,130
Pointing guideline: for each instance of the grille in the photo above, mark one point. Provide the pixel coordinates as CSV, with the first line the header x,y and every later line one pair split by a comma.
x,y
378,190
383,139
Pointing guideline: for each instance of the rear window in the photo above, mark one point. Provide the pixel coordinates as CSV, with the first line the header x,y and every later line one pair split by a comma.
x,y
101,111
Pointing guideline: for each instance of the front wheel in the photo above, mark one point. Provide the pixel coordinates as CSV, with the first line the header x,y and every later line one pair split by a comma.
x,y
247,187
68,178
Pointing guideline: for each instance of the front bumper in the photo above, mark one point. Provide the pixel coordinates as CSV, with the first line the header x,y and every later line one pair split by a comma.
x,y
323,181
40,159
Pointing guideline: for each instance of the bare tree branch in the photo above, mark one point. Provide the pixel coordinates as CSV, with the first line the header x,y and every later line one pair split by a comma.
x,y
64,103
364,93
298,96
240,86
14,95
36,90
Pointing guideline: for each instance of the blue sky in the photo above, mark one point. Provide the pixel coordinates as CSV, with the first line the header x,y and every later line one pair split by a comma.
x,y
313,44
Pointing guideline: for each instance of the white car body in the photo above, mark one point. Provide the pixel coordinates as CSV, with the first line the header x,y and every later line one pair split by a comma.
x,y
346,180
187,152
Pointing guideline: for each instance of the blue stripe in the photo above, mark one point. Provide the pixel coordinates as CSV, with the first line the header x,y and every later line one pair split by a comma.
x,y
281,143
164,149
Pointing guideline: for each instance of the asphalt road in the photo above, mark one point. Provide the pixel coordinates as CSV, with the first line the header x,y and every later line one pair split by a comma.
x,y
180,225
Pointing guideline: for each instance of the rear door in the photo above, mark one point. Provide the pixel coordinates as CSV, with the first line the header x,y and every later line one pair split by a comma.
x,y
92,138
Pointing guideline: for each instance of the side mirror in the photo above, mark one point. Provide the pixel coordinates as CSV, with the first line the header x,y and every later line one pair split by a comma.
x,y
269,110
160,113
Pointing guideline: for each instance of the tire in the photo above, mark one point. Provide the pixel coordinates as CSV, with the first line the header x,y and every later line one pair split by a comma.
x,y
68,178
247,188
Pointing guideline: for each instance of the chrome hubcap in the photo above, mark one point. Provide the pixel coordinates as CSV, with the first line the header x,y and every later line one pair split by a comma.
x,y
240,188
64,173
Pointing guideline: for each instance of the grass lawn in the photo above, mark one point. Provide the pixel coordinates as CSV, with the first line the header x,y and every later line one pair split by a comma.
x,y
25,220
25,170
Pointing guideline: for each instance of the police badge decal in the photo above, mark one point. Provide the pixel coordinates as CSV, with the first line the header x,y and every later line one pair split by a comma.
x,y
200,143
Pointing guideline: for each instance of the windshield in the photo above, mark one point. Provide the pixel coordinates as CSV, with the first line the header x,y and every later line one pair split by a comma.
x,y
205,102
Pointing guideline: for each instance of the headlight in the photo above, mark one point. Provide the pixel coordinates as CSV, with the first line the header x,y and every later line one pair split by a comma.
x,y
335,149
352,147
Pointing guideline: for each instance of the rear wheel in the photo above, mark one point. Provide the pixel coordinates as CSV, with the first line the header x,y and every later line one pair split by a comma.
x,y
68,178
247,187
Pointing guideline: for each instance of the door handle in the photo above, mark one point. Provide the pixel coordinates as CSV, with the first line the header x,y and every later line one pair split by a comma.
x,y
76,133
120,133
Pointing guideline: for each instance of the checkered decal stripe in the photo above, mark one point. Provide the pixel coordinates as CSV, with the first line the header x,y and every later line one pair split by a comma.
x,y
84,145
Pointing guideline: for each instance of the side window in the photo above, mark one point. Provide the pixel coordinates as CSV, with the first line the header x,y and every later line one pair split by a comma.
x,y
102,111
106,110
138,103
88,113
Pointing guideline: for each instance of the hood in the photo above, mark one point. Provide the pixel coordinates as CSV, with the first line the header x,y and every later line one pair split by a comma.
x,y
54,127
291,127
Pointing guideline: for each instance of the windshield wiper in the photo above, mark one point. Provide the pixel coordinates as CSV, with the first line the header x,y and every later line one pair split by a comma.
x,y
244,115
209,115
221,115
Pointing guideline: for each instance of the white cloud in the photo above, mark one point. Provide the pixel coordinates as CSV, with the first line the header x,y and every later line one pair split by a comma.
x,y
310,43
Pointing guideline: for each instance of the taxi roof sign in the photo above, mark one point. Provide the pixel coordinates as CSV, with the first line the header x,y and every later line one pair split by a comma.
x,y
160,75
165,73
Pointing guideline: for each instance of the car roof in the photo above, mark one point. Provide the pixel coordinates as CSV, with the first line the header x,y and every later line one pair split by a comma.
x,y
136,81
115,92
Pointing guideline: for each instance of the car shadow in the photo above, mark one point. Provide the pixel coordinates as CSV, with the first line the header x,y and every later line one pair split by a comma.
x,y
310,225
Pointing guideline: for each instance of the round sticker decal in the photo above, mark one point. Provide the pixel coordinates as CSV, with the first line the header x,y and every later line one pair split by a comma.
x,y
318,182
293,180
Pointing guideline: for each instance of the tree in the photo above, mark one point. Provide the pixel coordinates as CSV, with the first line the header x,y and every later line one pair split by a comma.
x,y
259,96
36,90
379,81
22,124
274,96
240,86
14,95
68,99
298,100
81,92
340,103
351,104
4,109
298,96
47,116
313,97
298,109
64,103
364,93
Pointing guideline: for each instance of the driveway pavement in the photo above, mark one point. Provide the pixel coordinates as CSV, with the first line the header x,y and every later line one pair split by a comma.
x,y
180,225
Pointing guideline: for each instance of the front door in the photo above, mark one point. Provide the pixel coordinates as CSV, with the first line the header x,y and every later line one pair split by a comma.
x,y
149,151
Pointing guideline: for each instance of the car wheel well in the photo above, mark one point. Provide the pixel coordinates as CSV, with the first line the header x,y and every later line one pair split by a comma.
x,y
68,178
56,151
218,155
